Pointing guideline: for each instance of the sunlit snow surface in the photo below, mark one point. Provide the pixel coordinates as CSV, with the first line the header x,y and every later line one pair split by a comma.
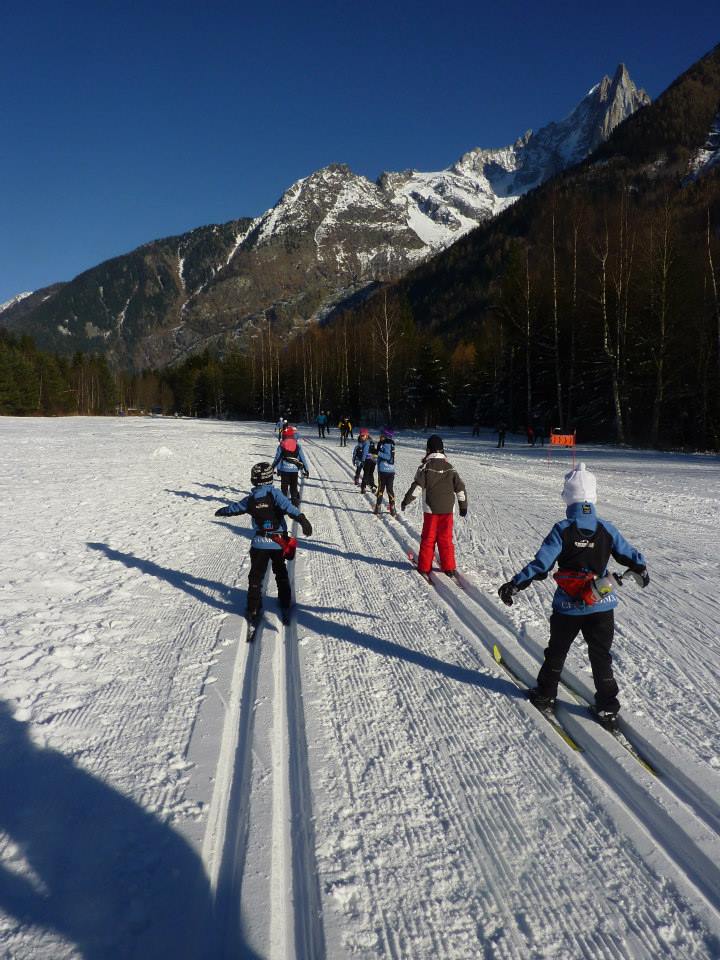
x,y
448,822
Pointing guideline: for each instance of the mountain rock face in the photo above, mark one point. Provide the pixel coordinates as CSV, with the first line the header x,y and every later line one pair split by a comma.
x,y
331,236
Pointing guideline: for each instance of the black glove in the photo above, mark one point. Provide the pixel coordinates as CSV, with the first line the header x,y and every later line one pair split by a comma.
x,y
463,511
223,512
405,503
305,524
306,474
507,591
641,577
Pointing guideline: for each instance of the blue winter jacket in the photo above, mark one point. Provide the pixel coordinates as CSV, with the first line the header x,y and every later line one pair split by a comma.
x,y
583,542
261,541
358,455
287,466
386,457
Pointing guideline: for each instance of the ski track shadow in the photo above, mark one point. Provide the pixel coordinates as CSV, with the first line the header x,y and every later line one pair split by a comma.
x,y
107,875
388,648
198,587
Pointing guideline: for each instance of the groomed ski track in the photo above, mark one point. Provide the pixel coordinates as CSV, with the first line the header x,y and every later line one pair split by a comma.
x,y
384,790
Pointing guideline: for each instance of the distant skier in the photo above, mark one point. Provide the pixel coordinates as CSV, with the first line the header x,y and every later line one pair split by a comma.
x,y
345,428
386,470
530,435
369,459
280,426
501,431
358,454
270,543
289,460
321,424
584,600
441,484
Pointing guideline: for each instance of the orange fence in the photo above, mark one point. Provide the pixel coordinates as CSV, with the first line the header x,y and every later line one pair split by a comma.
x,y
562,440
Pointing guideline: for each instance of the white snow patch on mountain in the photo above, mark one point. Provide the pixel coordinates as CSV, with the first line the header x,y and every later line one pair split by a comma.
x,y
16,299
708,155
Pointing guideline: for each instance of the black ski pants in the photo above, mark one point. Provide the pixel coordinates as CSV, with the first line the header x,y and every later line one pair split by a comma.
x,y
259,560
597,630
368,479
358,471
343,438
289,483
386,481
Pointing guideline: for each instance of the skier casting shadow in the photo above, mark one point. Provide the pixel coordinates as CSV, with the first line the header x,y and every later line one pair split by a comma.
x,y
106,875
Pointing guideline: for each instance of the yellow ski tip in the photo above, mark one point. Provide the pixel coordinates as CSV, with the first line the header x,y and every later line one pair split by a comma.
x,y
497,653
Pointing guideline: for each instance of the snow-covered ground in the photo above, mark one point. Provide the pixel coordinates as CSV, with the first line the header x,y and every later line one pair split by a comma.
x,y
366,782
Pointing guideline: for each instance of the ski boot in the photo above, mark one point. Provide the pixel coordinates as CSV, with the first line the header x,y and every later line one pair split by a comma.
x,y
285,615
425,576
541,700
452,574
253,619
606,717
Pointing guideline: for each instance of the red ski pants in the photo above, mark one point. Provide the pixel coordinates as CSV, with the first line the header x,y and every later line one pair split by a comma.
x,y
437,528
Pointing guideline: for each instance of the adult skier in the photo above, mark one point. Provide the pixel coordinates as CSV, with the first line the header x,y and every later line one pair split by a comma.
x,y
321,424
289,460
386,470
441,484
345,428
585,598
270,544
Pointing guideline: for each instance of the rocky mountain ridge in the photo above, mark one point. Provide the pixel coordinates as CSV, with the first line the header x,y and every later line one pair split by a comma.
x,y
331,236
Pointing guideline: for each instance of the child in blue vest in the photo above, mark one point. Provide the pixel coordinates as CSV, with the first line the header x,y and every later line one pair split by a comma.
x,y
386,470
289,460
585,600
267,507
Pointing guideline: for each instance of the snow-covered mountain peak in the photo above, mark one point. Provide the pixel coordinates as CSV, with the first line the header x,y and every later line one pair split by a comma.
x,y
438,207
13,300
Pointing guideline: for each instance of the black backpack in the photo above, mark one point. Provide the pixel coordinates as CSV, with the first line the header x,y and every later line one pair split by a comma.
x,y
265,513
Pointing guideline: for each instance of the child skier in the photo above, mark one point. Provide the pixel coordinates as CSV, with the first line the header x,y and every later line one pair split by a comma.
x,y
358,454
369,459
289,459
386,470
585,600
441,484
270,544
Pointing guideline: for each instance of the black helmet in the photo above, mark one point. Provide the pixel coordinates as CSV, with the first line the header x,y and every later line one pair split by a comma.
x,y
435,444
261,473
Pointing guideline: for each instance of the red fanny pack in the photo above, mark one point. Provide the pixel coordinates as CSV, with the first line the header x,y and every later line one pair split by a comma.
x,y
576,584
287,543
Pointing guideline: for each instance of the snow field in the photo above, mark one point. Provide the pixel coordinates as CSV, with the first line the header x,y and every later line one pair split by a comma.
x,y
365,782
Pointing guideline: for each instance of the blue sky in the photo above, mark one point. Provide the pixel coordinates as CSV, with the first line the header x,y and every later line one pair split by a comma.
x,y
123,122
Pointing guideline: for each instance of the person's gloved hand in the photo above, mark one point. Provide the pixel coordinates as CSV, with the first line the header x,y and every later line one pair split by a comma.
x,y
507,591
305,524
223,512
405,503
641,577
306,474
463,512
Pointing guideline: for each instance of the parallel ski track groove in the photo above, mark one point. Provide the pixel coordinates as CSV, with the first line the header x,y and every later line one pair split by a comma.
x,y
304,901
309,934
632,791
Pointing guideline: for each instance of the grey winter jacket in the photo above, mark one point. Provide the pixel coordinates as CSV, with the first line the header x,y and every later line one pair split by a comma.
x,y
441,483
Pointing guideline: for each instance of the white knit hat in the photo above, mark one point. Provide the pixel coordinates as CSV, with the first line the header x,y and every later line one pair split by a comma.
x,y
580,486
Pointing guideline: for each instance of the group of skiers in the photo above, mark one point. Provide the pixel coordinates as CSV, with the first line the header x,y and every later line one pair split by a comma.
x,y
581,544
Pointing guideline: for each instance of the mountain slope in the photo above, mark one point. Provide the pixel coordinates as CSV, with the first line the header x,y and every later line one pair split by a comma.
x,y
330,235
